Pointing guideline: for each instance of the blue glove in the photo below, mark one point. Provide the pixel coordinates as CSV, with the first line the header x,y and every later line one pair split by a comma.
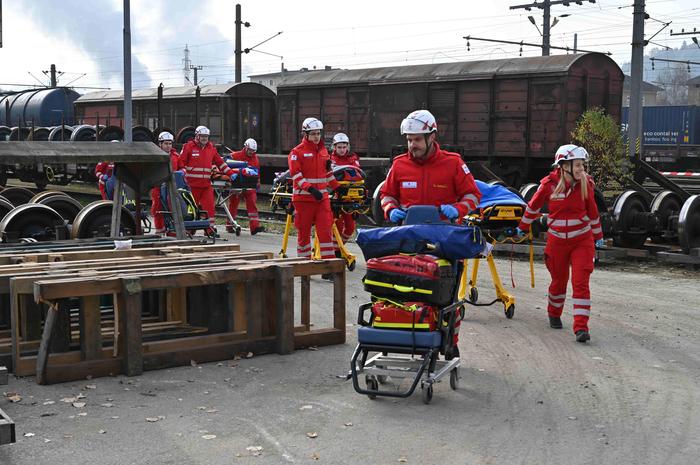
x,y
105,178
250,172
600,244
520,232
396,215
449,211
233,177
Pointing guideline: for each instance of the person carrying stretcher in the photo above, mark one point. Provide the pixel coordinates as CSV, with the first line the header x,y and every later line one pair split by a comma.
x,y
428,175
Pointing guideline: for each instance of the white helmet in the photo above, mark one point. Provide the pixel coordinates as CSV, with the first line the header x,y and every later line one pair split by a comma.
x,y
419,122
251,144
570,152
203,130
340,138
165,136
311,124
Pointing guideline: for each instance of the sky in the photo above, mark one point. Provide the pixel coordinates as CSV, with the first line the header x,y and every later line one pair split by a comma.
x,y
84,39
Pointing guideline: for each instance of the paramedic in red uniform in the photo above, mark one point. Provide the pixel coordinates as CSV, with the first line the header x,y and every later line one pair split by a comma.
x,y
309,166
574,232
197,157
341,156
165,141
249,155
428,175
103,171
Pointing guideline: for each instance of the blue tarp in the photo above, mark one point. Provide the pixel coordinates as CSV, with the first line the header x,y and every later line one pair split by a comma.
x,y
497,195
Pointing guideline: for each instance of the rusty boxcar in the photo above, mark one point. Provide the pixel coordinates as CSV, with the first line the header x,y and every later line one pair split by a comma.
x,y
513,113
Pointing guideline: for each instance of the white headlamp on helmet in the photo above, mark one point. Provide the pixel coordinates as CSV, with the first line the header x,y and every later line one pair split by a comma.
x,y
340,138
165,136
419,122
570,152
201,130
311,124
251,144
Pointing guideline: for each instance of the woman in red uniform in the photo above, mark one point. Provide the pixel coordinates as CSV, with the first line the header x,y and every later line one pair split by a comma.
x,y
342,156
574,232
165,141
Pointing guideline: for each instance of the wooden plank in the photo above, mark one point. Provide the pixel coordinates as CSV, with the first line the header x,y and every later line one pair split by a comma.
x,y
7,429
176,304
43,355
237,293
306,301
3,375
319,337
60,340
90,319
82,369
254,311
284,286
339,301
131,313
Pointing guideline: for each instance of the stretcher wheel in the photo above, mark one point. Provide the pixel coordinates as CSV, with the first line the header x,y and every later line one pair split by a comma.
x,y
238,230
428,393
510,311
473,295
351,265
454,378
372,385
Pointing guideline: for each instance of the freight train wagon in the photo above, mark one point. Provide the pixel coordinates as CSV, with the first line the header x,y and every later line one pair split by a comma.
x,y
513,113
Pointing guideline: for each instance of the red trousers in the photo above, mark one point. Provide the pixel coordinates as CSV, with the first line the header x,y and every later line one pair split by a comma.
x,y
250,197
346,225
103,190
314,213
156,208
204,197
577,255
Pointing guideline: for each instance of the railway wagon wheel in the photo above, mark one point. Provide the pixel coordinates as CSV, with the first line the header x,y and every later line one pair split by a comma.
x,y
141,134
39,134
66,206
627,210
60,133
96,218
5,207
83,133
45,194
689,224
5,132
17,195
111,133
184,135
666,205
30,221
527,191
19,133
377,212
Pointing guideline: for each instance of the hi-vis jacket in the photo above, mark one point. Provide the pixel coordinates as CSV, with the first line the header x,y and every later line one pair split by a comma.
x,y
309,166
350,159
197,162
569,215
441,179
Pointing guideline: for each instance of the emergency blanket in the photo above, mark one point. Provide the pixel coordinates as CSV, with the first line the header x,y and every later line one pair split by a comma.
x,y
449,241
497,195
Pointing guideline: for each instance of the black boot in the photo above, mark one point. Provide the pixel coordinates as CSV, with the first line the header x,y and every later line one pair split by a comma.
x,y
257,230
327,276
582,336
555,322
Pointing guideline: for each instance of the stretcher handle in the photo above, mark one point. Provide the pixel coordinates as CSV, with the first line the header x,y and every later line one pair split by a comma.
x,y
361,314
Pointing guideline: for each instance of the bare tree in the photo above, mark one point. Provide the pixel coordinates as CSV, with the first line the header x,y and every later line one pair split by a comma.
x,y
674,82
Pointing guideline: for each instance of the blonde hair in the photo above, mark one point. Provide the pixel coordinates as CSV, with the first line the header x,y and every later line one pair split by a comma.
x,y
561,185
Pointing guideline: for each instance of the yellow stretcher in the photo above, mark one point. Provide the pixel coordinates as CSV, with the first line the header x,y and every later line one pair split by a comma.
x,y
351,197
498,224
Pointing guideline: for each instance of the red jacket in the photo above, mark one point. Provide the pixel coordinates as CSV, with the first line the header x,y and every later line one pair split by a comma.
x,y
197,162
252,160
103,167
350,159
443,178
174,159
569,215
309,166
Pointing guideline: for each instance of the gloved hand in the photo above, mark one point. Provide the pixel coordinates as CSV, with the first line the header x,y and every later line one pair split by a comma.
x,y
104,178
318,195
600,244
449,211
234,176
396,215
520,233
250,172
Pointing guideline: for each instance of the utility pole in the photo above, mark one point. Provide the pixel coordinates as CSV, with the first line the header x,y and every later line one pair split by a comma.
x,y
127,72
546,6
52,75
196,68
186,62
239,50
0,23
634,130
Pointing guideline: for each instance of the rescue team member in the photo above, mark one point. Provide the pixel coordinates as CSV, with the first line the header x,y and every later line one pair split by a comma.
x,y
249,155
196,158
574,225
103,171
309,166
165,141
341,156
428,175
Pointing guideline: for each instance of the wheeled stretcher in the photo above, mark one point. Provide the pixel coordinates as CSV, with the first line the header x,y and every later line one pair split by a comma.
x,y
224,189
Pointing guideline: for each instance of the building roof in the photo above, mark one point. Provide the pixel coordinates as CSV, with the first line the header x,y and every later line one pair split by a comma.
x,y
646,86
694,81
553,64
